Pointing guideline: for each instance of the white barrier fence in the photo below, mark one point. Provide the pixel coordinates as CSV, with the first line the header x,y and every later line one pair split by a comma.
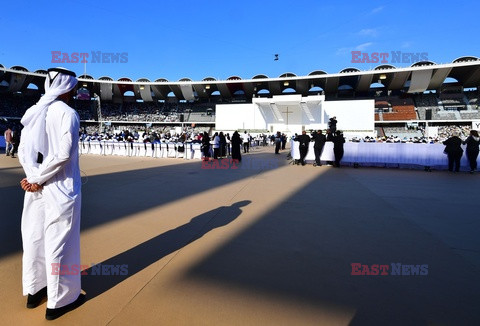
x,y
188,151
401,154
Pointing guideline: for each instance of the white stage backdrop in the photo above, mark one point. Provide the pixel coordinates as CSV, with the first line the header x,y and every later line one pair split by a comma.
x,y
294,113
356,118
238,116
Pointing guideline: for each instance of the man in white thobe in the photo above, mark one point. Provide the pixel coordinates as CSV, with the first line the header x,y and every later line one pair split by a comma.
x,y
48,153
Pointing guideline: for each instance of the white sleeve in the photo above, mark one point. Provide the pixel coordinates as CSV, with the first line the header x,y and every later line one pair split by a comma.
x,y
29,171
57,161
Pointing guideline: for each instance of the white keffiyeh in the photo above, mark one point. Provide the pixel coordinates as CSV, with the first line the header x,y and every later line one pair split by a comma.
x,y
34,137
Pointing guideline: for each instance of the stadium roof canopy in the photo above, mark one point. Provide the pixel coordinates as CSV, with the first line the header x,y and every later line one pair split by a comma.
x,y
417,78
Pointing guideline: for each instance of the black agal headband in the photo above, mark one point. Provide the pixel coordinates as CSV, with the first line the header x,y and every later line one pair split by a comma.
x,y
53,73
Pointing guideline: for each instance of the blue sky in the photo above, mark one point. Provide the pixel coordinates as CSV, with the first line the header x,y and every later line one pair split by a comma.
x,y
198,39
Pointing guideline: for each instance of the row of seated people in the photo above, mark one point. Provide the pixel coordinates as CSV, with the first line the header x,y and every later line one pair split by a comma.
x,y
170,149
134,132
85,109
134,112
402,134
14,105
445,132
167,112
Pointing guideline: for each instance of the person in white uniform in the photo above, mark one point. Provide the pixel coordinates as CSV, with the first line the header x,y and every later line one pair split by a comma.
x,y
50,227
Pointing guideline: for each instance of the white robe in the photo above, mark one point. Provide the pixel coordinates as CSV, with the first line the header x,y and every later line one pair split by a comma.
x,y
51,217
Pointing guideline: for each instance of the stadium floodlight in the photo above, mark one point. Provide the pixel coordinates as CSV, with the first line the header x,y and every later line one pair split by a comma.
x,y
207,86
383,76
142,87
285,83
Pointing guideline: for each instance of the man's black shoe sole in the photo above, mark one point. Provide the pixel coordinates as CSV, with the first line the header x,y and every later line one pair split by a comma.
x,y
52,314
33,300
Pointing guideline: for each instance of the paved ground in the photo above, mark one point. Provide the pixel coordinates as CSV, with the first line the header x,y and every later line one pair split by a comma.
x,y
265,244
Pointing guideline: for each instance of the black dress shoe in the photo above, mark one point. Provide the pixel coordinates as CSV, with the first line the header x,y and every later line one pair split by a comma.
x,y
52,314
33,300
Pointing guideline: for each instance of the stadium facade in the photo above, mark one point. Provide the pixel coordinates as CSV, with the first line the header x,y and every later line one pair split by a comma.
x,y
416,94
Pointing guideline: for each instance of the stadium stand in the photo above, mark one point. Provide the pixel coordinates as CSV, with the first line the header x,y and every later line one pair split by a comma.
x,y
472,99
164,105
85,109
395,109
424,102
402,132
15,105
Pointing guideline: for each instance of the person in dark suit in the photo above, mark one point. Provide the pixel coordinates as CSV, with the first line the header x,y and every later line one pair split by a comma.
x,y
278,142
228,143
332,124
319,139
304,141
223,144
454,152
236,145
472,143
329,136
284,141
338,142
206,146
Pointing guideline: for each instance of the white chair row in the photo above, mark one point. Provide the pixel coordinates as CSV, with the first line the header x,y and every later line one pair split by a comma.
x,y
186,151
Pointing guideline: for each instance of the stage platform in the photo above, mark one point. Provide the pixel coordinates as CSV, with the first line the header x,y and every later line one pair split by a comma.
x,y
260,243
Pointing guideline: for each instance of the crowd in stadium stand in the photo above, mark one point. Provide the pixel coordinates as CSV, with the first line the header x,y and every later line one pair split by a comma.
x,y
15,105
85,110
418,135
150,112
446,106
136,133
